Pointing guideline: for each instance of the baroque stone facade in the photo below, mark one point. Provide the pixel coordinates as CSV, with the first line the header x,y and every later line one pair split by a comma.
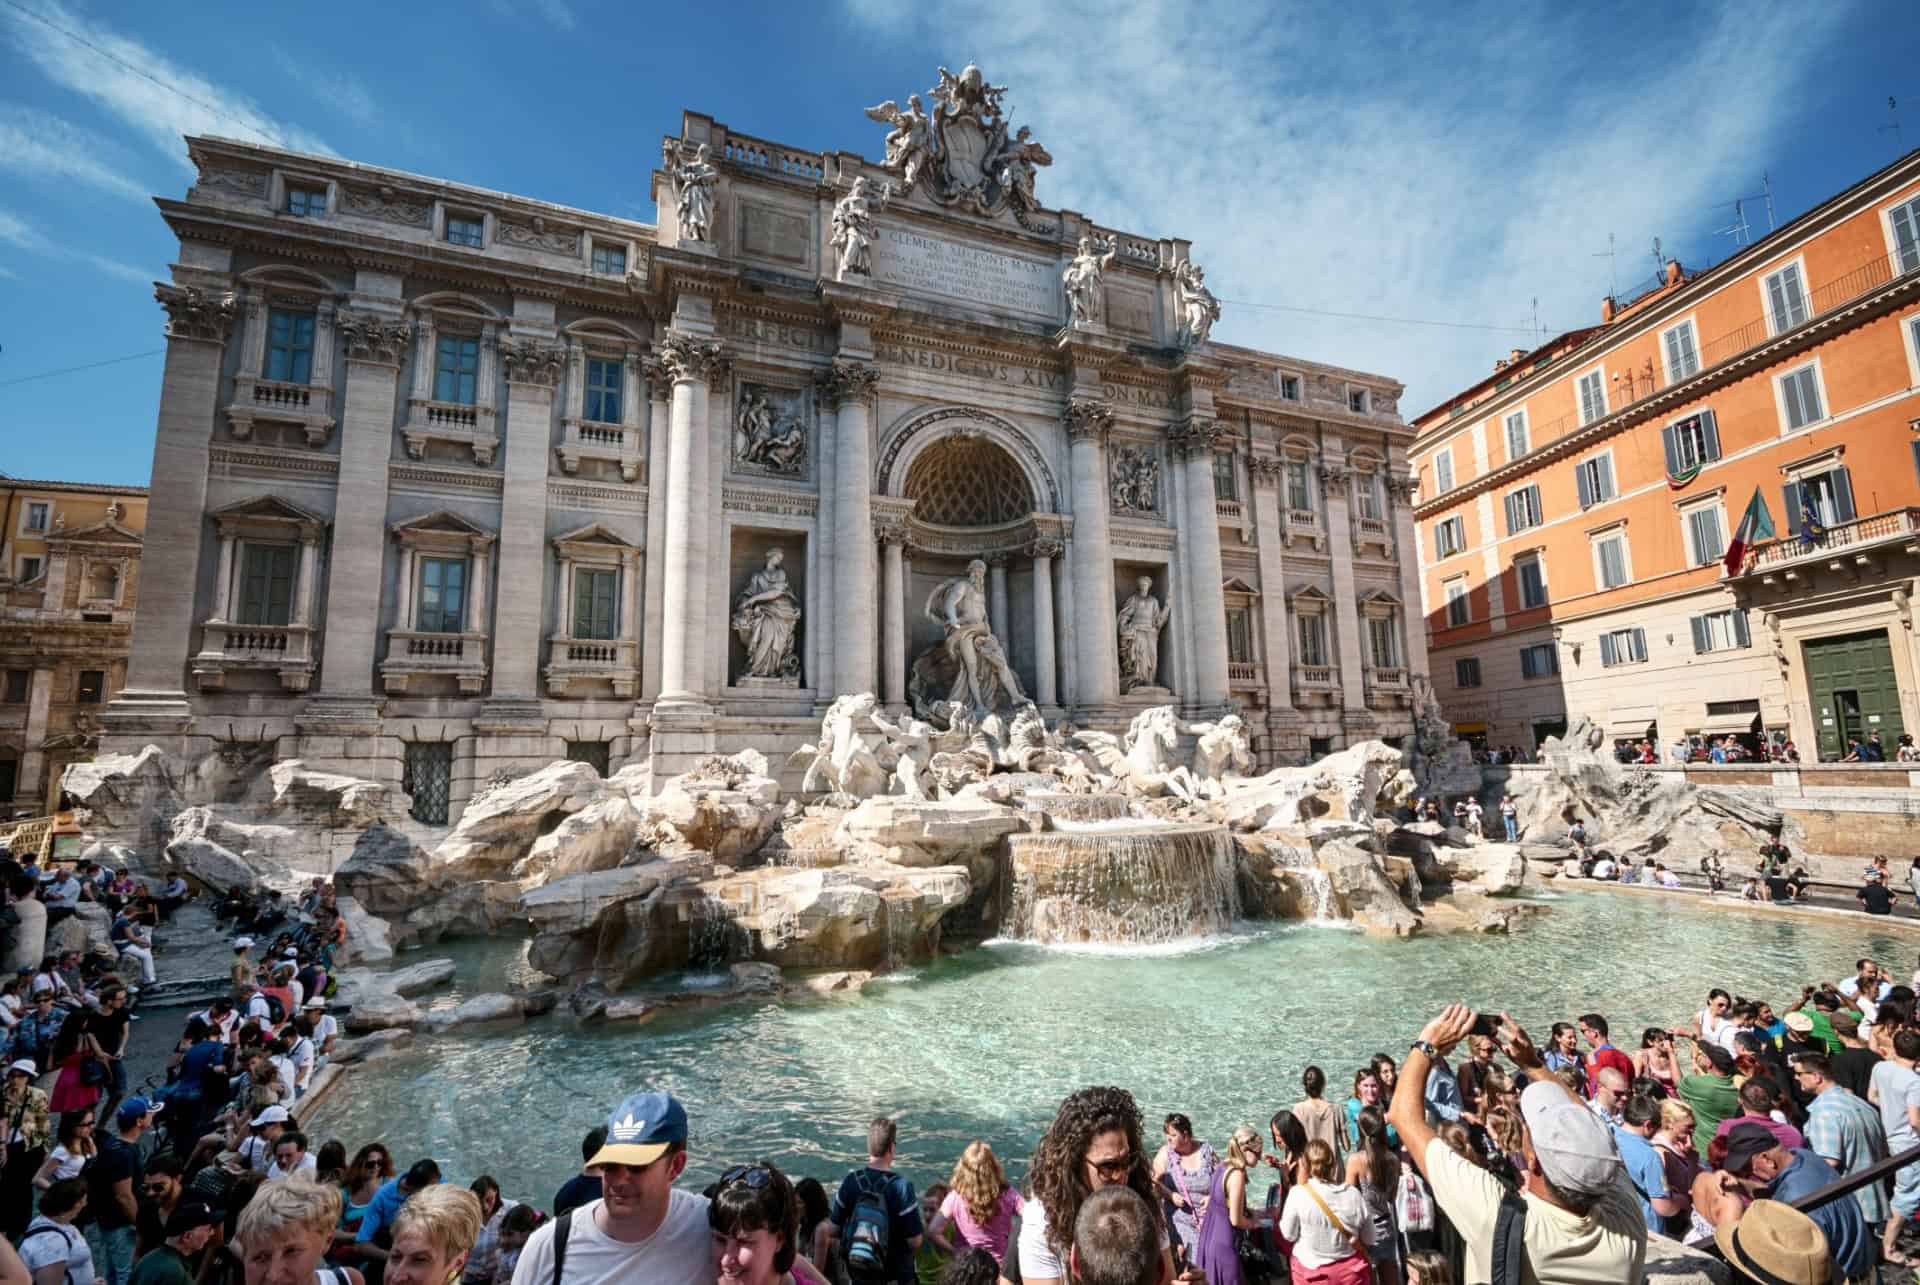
x,y
452,482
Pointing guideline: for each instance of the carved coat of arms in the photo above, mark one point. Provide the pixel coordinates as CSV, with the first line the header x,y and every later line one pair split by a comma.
x,y
963,154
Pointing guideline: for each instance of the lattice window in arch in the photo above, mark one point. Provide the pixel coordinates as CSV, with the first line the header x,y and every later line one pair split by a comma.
x,y
968,481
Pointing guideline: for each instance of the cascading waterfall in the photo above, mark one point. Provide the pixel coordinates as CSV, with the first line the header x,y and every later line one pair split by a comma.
x,y
1144,885
716,937
1315,886
1079,807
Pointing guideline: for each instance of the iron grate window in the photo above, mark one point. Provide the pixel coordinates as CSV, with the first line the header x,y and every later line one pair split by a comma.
x,y
595,754
428,778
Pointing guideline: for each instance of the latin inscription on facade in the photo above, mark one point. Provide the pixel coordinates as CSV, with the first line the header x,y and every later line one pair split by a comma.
x,y
762,331
997,372
978,275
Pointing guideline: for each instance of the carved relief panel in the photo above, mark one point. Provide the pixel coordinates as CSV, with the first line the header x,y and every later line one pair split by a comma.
x,y
772,431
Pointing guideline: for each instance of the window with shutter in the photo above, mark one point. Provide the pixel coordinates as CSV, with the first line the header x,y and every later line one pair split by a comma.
x,y
1608,655
1466,672
266,585
1458,606
1593,396
1517,442
1702,638
1239,637
1533,582
442,602
596,596
1539,660
1584,485
1906,234
1703,529
1613,562
1786,298
1602,477
1683,356
1443,469
1800,397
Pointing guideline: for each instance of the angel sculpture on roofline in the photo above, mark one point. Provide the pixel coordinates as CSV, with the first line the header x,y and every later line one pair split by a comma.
x,y
910,144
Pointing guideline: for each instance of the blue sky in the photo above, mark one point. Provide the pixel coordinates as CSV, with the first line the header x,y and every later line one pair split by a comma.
x,y
1442,162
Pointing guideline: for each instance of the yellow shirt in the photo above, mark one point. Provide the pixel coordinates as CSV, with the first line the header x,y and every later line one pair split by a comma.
x,y
1606,1247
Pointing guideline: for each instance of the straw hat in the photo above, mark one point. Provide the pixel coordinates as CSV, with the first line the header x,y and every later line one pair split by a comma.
x,y
1776,1242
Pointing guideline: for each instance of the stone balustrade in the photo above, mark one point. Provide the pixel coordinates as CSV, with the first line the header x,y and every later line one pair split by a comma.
x,y
286,650
414,654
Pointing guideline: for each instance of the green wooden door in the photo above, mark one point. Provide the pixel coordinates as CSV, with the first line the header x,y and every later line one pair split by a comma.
x,y
1851,681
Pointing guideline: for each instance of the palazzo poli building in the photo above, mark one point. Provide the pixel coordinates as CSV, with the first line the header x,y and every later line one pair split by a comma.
x,y
1577,505
449,483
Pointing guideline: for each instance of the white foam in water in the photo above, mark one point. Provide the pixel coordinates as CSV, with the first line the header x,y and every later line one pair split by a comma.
x,y
1123,825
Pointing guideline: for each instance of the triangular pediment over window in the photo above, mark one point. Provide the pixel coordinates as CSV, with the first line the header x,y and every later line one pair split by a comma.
x,y
107,532
440,522
1234,584
594,533
1379,598
1309,595
269,508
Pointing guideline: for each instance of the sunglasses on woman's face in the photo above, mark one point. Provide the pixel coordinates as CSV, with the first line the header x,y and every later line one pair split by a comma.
x,y
754,1176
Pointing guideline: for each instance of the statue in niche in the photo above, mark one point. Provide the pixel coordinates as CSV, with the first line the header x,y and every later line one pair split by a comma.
x,y
766,616
970,660
1141,620
768,436
1135,480
693,183
853,227
1198,307
1086,298
910,144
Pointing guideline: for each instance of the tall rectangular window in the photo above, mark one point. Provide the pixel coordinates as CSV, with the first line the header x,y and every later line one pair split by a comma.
x,y
1691,443
38,515
1523,508
456,369
1539,660
1299,487
1449,537
466,229
1533,582
1827,497
1357,401
266,585
1610,559
1593,396
1240,636
29,570
1593,480
1466,671
289,346
1906,234
1786,298
306,202
596,603
1623,647
93,687
609,260
1313,641
1366,496
1800,397
1705,539
1290,387
1383,639
1682,351
1225,486
1459,607
604,380
17,683
1443,469
443,596
1720,631
1517,437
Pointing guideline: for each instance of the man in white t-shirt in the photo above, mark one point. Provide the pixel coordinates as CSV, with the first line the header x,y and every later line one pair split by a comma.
x,y
326,1029
643,1227
290,1156
1583,1221
1865,989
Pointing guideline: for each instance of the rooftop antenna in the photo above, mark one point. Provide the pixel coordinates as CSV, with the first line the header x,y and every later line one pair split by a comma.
x,y
1766,186
1659,263
1893,126
1613,267
1738,229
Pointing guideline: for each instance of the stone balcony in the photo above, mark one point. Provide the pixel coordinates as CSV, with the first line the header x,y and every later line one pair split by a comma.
x,y
257,400
1303,525
469,426
1245,674
1372,532
1387,686
611,660
587,440
414,654
1316,685
1790,564
284,650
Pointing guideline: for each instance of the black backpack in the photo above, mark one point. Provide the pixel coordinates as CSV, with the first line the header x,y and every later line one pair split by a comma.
x,y
869,1231
276,1010
1509,1254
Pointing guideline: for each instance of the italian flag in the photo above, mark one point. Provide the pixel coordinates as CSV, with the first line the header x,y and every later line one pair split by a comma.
x,y
1755,525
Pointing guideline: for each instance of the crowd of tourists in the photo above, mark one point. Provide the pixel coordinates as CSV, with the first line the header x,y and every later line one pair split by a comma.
x,y
1480,1153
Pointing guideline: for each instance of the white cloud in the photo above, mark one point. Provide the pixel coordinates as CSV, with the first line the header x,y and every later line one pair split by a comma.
x,y
41,145
1392,164
17,232
156,96
22,235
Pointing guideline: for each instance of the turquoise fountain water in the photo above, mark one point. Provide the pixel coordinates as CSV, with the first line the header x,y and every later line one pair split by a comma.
x,y
984,1045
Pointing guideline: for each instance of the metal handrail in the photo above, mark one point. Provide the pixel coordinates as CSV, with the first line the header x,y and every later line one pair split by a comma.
x,y
1852,1182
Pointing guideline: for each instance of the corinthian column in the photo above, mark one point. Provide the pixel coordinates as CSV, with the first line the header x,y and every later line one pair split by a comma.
x,y
1200,540
690,363
533,372
850,389
198,324
893,668
1045,691
1091,550
659,386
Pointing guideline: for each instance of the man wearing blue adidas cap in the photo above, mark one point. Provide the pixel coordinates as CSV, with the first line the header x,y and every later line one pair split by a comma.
x,y
642,1228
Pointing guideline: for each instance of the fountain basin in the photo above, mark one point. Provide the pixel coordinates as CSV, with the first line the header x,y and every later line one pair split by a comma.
x,y
1142,884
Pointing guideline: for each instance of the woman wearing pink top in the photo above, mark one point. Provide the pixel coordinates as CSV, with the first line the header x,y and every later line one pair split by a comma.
x,y
980,1208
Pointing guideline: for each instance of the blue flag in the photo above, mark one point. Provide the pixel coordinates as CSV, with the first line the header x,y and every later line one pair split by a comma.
x,y
1811,529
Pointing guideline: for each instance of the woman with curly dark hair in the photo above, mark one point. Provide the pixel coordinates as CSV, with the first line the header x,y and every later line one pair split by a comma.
x,y
1093,1142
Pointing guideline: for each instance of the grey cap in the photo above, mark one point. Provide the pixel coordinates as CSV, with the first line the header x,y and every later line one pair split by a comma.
x,y
1575,1146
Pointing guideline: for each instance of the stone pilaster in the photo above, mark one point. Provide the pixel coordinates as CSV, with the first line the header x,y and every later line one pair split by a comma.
x,y
1091,554
997,614
1406,546
1349,643
659,391
32,787
1275,629
691,364
893,669
533,369
1046,691
375,346
850,388
154,701
1200,543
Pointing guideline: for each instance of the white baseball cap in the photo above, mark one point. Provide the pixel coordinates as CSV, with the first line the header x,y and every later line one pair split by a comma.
x,y
272,1115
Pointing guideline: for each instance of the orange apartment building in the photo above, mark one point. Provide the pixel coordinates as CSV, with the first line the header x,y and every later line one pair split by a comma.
x,y
1574,507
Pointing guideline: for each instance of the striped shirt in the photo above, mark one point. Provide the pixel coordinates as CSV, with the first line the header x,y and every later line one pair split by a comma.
x,y
1846,1132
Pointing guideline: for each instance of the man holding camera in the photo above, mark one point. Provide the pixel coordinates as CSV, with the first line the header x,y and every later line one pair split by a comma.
x,y
1578,1218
